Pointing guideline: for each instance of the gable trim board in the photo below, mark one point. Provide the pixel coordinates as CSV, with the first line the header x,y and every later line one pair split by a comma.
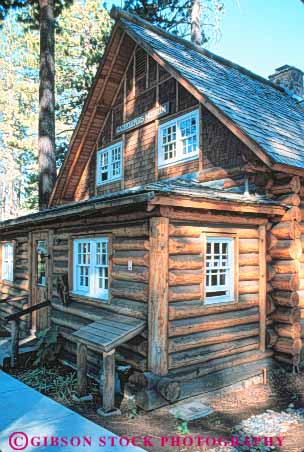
x,y
124,23
92,111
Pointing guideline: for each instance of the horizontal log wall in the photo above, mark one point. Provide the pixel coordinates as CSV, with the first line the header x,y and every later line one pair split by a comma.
x,y
200,333
285,252
128,288
20,285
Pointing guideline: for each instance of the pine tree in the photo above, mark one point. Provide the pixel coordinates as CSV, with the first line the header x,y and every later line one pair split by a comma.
x,y
176,16
46,129
81,34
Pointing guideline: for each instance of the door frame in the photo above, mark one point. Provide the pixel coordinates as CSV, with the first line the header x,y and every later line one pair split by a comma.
x,y
46,235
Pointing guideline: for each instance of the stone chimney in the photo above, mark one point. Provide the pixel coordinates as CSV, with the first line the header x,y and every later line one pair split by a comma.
x,y
290,78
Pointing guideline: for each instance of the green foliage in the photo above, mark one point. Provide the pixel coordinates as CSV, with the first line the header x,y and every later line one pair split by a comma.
x,y
80,43
48,346
18,110
7,5
28,10
51,382
132,408
183,428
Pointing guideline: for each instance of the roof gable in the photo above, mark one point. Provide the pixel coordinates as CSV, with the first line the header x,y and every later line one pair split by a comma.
x,y
269,117
262,115
94,113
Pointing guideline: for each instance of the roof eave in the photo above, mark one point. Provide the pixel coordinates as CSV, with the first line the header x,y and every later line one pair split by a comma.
x,y
83,112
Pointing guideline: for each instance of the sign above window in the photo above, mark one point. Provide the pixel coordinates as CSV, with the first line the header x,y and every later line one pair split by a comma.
x,y
149,116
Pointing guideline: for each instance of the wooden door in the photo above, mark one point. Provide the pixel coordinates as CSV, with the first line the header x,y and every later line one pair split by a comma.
x,y
40,278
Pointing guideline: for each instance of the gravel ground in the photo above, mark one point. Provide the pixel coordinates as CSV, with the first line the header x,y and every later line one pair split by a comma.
x,y
271,423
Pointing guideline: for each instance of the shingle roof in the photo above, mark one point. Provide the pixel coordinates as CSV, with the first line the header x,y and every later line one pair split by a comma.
x,y
186,186
267,115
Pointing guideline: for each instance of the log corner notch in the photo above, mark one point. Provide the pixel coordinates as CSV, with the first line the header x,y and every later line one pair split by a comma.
x,y
285,255
158,296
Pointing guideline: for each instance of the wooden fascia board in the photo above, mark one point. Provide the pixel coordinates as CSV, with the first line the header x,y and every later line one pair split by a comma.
x,y
202,203
78,210
79,150
288,169
83,112
205,101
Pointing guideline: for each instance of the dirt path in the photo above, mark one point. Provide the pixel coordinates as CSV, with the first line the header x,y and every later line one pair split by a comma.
x,y
230,408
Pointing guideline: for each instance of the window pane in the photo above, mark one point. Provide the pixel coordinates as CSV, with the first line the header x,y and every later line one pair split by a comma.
x,y
104,166
109,163
116,161
41,263
169,142
218,267
91,267
188,129
8,261
102,264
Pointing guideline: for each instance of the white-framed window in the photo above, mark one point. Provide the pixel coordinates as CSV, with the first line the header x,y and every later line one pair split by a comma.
x,y
8,261
91,267
109,163
219,282
178,139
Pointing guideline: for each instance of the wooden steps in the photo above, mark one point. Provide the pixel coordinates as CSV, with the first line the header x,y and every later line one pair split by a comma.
x,y
26,345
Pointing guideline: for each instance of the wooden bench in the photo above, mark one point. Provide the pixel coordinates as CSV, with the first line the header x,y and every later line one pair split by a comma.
x,y
104,336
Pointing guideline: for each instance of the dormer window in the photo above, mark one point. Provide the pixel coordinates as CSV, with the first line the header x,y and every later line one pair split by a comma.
x,y
178,139
108,167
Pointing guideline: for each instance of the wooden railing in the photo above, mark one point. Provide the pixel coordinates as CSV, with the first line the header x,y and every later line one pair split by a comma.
x,y
15,328
11,299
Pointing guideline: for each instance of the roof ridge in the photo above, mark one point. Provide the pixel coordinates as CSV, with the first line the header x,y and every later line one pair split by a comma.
x,y
118,13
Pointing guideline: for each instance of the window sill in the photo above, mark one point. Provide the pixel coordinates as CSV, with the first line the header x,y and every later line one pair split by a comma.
x,y
218,301
89,298
178,162
108,182
9,282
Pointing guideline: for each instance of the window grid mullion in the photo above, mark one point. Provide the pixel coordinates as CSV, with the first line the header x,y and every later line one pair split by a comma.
x,y
110,169
179,153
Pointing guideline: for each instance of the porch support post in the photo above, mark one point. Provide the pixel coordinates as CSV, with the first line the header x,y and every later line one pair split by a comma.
x,y
14,342
108,393
158,296
82,368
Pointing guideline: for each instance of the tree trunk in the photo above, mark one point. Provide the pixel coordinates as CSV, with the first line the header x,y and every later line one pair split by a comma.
x,y
46,138
196,34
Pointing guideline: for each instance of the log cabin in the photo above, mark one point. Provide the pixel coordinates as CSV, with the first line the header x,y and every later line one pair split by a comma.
x,y
175,232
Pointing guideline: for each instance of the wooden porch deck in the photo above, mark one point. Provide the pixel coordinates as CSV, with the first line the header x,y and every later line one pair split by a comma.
x,y
25,410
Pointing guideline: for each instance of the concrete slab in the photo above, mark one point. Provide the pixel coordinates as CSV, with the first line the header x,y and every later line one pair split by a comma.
x,y
35,417
191,410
